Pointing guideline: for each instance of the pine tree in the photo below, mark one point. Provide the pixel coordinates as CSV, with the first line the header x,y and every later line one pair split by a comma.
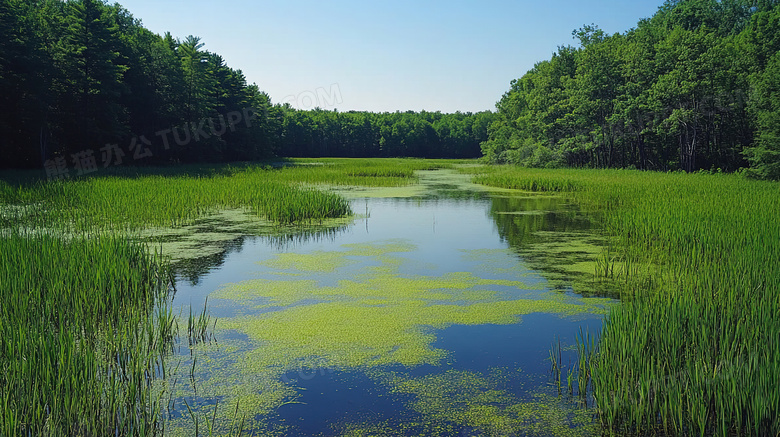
x,y
94,76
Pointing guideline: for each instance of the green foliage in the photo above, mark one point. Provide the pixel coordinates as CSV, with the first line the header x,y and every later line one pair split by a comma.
x,y
86,325
93,74
764,157
700,255
137,200
80,75
362,134
673,93
358,172
76,76
173,196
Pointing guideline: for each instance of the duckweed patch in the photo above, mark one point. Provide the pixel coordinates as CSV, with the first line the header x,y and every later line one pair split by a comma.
x,y
315,262
374,318
477,402
358,192
216,376
380,248
471,403
570,260
197,247
499,262
330,261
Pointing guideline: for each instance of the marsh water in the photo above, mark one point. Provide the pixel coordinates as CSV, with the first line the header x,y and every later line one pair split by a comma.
x,y
432,312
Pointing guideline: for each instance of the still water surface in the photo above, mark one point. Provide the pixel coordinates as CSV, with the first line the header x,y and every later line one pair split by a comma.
x,y
427,315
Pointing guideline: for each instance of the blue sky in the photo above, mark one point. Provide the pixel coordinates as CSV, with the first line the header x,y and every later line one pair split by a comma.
x,y
386,55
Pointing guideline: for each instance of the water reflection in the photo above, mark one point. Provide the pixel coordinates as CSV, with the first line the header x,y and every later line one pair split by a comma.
x,y
520,218
193,269
556,238
206,255
430,315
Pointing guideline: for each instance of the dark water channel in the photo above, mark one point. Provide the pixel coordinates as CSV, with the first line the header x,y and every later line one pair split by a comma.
x,y
427,315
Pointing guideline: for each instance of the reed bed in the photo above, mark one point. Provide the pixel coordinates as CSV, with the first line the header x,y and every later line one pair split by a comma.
x,y
86,318
284,194
85,327
172,201
390,172
694,348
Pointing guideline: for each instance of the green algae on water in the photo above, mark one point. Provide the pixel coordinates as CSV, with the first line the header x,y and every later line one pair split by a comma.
x,y
471,403
374,317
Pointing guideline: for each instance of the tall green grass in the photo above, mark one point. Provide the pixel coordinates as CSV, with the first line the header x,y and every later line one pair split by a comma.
x,y
284,194
170,201
86,322
85,327
694,348
391,172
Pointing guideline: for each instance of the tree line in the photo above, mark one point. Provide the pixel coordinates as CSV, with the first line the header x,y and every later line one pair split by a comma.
x,y
84,85
391,134
694,87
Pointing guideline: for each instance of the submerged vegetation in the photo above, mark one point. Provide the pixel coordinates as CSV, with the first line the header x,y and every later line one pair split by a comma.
x,y
693,348
87,324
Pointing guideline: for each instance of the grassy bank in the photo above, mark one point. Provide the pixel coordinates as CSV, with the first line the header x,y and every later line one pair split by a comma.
x,y
85,327
150,200
133,198
391,172
695,347
86,323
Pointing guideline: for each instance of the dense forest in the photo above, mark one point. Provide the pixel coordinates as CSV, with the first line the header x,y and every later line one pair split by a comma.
x,y
401,134
84,86
694,87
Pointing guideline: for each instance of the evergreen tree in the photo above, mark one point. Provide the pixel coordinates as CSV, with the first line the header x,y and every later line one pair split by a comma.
x,y
94,77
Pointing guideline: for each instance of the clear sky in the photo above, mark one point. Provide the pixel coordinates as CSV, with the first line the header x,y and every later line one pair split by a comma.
x,y
386,55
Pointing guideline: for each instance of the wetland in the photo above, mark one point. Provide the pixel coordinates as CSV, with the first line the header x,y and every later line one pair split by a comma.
x,y
398,322
388,297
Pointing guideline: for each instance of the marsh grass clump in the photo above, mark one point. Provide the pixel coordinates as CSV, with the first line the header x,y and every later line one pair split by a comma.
x,y
84,330
392,172
125,198
198,326
171,201
694,348
578,375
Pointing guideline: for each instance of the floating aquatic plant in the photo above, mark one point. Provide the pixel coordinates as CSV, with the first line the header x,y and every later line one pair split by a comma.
x,y
693,348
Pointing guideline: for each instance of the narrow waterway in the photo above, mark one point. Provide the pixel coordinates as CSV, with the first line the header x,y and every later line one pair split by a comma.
x,y
433,312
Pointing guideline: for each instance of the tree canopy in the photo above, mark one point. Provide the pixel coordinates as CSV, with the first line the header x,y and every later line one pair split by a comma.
x,y
83,85
694,87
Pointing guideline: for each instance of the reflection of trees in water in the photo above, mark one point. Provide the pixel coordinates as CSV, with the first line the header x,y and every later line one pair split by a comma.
x,y
552,235
520,219
452,192
285,239
194,268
